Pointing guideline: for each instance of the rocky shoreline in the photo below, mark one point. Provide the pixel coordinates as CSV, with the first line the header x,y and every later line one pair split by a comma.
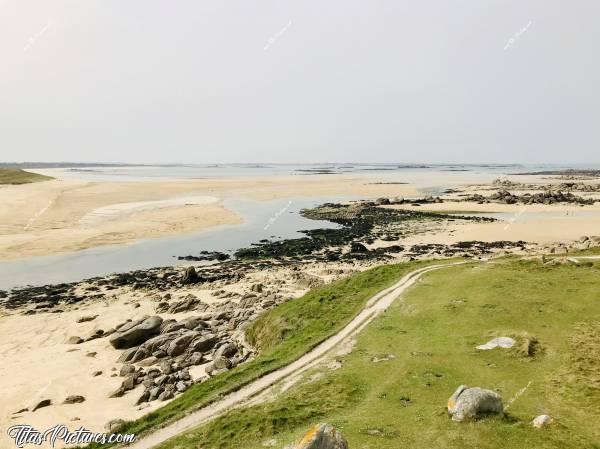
x,y
547,197
563,186
567,174
359,224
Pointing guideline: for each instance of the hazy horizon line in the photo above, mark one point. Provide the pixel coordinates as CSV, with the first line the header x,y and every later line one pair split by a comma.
x,y
57,164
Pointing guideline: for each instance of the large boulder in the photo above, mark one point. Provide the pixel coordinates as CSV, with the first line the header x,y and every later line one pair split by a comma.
x,y
127,355
160,342
222,363
180,344
186,304
321,436
470,403
226,350
203,343
135,333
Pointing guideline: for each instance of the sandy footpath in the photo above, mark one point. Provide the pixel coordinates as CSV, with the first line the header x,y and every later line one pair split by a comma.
x,y
69,215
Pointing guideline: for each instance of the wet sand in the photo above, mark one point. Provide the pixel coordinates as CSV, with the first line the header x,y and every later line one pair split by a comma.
x,y
68,215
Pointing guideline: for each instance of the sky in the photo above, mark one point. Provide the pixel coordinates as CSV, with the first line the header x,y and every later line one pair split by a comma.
x,y
203,81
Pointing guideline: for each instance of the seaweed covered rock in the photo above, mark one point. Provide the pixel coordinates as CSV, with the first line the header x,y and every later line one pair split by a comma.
x,y
190,276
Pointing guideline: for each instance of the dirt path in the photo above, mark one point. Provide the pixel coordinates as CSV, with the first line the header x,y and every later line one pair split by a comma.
x,y
377,304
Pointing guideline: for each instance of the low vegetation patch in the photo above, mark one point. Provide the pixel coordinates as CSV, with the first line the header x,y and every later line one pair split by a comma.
x,y
429,340
16,176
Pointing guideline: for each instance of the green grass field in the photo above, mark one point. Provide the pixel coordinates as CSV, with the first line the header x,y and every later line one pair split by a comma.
x,y
432,334
284,334
16,176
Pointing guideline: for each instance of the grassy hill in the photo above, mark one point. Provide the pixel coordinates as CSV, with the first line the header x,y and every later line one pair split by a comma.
x,y
17,176
391,390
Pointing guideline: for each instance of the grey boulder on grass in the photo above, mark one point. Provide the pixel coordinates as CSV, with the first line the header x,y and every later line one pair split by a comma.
x,y
321,436
470,403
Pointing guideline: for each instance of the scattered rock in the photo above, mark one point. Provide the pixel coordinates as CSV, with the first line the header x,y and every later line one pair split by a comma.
x,y
74,340
203,343
321,436
547,197
226,350
471,403
74,399
383,358
356,247
117,393
42,403
542,421
166,395
86,318
222,363
127,355
499,342
114,425
126,370
179,345
144,397
190,276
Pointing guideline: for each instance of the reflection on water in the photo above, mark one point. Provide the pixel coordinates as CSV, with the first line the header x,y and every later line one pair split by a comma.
x,y
262,220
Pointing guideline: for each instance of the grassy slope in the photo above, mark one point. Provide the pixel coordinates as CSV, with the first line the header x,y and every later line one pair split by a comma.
x,y
18,176
401,402
293,328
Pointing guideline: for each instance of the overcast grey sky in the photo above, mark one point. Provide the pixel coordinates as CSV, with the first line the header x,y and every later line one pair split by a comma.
x,y
300,81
